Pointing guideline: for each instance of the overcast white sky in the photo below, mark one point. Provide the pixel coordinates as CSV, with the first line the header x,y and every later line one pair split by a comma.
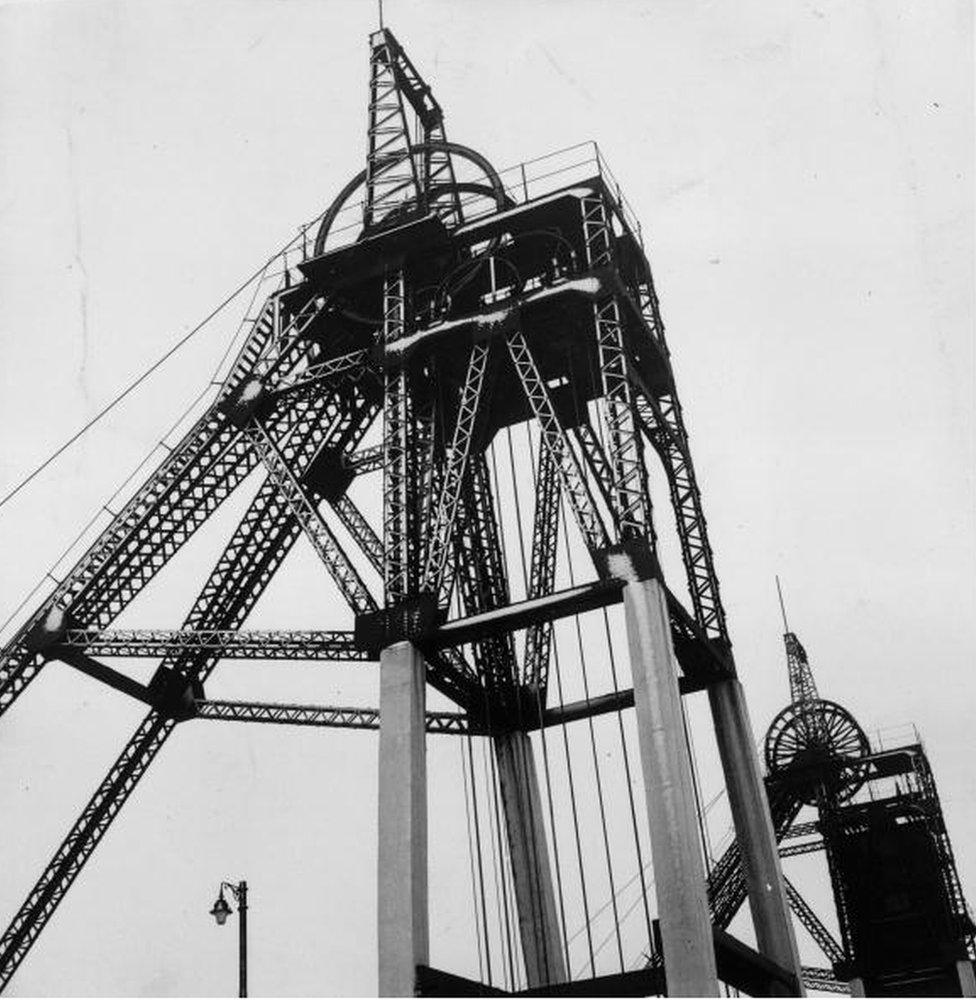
x,y
803,173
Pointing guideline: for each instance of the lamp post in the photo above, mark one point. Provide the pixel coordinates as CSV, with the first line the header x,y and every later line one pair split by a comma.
x,y
221,911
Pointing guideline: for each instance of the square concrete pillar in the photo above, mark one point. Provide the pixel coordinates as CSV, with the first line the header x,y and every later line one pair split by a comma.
x,y
403,921
535,900
679,870
753,827
967,981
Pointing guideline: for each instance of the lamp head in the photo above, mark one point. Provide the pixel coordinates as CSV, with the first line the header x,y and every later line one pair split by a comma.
x,y
221,911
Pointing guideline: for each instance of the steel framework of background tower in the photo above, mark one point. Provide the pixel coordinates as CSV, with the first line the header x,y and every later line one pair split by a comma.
x,y
905,929
459,308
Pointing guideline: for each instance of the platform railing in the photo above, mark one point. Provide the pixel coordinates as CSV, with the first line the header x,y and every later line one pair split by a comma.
x,y
522,182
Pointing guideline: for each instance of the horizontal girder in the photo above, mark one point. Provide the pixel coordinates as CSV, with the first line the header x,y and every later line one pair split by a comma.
x,y
319,715
272,644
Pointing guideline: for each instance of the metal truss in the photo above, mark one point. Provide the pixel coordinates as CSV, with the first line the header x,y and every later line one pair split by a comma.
x,y
263,538
595,459
225,643
190,484
366,460
301,416
542,571
825,980
261,541
803,688
342,571
360,529
801,830
825,940
555,442
630,499
662,419
481,574
456,462
320,715
286,346
390,170
794,850
726,885
326,375
438,174
396,452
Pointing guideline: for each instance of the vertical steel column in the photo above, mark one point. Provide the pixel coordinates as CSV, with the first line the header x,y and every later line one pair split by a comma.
x,y
402,917
761,869
679,871
535,900
396,451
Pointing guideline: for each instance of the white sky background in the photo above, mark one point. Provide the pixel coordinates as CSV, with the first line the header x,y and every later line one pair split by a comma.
x,y
803,173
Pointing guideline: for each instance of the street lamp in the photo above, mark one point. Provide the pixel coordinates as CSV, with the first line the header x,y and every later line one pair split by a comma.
x,y
221,911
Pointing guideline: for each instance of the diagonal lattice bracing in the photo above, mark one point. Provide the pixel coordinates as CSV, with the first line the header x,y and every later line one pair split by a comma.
x,y
455,465
663,423
481,573
361,530
726,886
555,442
630,499
341,569
813,924
189,485
263,538
542,570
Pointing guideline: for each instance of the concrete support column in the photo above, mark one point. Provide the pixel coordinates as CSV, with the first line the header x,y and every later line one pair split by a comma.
x,y
967,980
535,900
856,986
402,855
753,826
679,871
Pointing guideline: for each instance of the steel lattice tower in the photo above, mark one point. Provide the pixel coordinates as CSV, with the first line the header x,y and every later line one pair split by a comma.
x,y
905,928
456,306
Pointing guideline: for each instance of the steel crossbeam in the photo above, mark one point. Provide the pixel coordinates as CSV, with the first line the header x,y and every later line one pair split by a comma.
x,y
542,571
554,441
825,980
342,571
802,830
272,644
325,375
455,465
368,459
320,715
794,850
